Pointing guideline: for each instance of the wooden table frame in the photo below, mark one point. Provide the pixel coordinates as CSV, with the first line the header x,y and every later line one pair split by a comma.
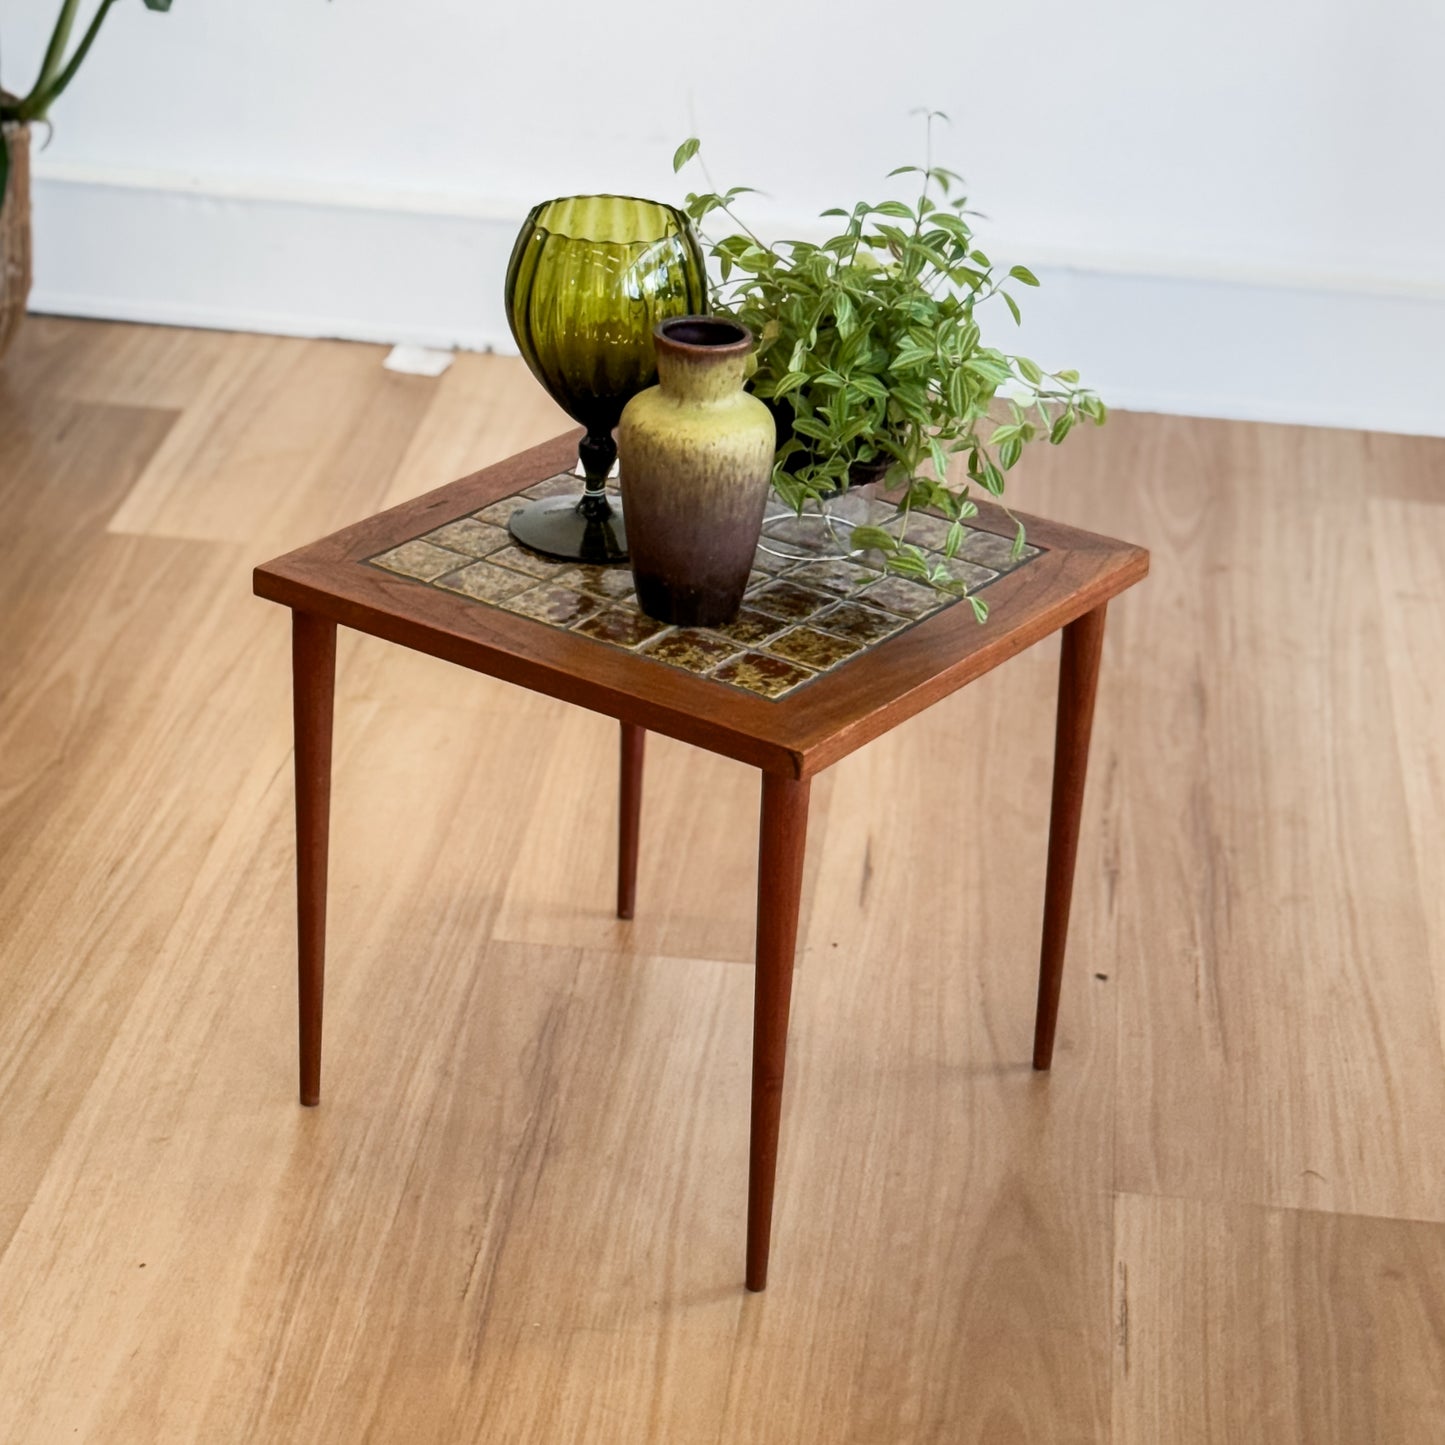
x,y
789,740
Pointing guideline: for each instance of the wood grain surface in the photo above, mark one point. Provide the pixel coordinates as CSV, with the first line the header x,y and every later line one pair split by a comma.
x,y
1221,1217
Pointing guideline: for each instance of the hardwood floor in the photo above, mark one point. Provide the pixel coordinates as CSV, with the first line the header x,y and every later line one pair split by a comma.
x,y
518,1215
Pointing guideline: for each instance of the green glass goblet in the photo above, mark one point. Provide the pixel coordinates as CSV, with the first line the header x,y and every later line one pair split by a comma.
x,y
589,278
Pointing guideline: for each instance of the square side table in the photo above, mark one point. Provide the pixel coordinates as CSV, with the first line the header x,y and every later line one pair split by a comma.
x,y
826,656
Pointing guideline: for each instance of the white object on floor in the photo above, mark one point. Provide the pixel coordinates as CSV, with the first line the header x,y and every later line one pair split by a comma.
x,y
418,360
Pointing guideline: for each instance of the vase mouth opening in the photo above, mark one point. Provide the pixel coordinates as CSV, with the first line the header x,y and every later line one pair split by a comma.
x,y
703,336
608,220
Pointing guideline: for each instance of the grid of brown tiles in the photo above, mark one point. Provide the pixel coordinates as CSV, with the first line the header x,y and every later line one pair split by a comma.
x,y
804,613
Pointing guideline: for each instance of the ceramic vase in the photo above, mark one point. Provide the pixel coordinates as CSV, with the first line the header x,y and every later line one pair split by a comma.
x,y
696,455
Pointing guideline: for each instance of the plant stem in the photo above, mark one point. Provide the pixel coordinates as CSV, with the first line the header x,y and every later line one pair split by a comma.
x,y
55,51
40,101
726,208
927,172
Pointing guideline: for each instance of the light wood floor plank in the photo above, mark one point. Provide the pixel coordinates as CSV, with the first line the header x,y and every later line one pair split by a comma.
x,y
1279,1040
286,440
1239,1323
150,366
1409,551
479,415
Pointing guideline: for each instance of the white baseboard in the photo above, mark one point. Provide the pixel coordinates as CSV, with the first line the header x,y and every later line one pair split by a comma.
x,y
1151,333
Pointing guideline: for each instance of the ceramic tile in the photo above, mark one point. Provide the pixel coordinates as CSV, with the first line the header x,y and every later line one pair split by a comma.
x,y
986,549
613,582
969,573
423,561
622,627
519,559
499,513
485,583
770,562
547,602
864,625
807,535
470,536
558,486
834,574
766,676
898,594
752,627
926,531
690,648
818,650
787,600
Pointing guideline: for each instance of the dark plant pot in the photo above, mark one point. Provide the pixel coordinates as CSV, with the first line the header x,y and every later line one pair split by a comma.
x,y
696,456
863,474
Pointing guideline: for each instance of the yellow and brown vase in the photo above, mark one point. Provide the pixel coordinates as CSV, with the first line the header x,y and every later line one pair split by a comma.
x,y
696,455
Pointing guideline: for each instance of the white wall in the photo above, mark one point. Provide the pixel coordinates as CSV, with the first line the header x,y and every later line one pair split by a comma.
x,y
1235,207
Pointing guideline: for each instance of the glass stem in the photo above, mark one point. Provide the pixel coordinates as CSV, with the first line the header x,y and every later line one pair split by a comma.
x,y
597,454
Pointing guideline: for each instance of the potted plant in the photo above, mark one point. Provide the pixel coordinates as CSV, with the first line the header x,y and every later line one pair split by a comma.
x,y
871,356
17,113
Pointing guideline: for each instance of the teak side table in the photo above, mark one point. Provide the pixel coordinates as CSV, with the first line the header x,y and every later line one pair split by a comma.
x,y
825,657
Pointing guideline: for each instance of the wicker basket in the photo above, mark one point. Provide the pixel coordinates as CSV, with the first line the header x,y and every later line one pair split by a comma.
x,y
15,235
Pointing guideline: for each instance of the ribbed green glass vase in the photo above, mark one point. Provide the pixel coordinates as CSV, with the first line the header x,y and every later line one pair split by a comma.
x,y
589,279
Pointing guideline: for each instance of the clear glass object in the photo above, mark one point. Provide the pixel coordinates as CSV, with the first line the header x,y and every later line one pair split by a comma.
x,y
824,528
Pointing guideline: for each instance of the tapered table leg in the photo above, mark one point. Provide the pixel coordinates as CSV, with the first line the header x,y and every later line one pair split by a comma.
x,y
782,838
313,687
629,820
1083,642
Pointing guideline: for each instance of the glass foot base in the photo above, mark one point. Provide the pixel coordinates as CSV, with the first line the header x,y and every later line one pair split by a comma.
x,y
558,527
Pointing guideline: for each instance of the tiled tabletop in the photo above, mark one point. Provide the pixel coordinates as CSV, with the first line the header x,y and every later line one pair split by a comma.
x,y
806,612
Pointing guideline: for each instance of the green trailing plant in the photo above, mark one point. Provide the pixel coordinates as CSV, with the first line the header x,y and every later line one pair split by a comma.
x,y
57,70
870,353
